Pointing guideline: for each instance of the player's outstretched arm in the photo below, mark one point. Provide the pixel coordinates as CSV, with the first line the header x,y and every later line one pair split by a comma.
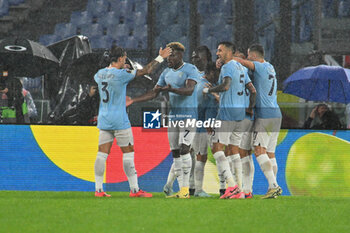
x,y
187,90
224,86
145,97
163,54
216,95
252,98
249,64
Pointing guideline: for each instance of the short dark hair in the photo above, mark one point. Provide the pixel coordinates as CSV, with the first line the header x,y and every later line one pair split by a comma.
x,y
211,67
229,45
115,53
206,50
240,49
176,46
257,48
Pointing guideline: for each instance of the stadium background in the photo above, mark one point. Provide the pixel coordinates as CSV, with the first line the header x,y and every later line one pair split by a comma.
x,y
294,33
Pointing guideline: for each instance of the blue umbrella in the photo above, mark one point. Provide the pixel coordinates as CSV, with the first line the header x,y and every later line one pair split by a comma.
x,y
320,83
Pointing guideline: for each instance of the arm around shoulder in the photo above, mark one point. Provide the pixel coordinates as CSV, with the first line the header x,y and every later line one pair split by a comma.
x,y
249,64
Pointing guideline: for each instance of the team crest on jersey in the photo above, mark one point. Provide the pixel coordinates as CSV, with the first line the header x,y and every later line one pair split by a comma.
x,y
151,119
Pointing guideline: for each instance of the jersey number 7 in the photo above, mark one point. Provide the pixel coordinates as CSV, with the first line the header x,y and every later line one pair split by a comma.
x,y
273,84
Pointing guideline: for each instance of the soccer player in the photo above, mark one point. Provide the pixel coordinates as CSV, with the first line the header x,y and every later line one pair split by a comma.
x,y
113,121
231,113
207,109
222,182
179,79
232,150
245,152
248,169
246,143
268,115
201,58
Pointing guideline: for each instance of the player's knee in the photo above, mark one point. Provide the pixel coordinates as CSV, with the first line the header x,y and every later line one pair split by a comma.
x,y
218,147
202,158
105,148
127,149
233,149
185,149
243,153
176,153
271,155
227,151
258,150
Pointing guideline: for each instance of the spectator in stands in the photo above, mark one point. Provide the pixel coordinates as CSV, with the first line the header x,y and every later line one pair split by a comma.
x,y
340,110
321,117
85,111
13,109
32,112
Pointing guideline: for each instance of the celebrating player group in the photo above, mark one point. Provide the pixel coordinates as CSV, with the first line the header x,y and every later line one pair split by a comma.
x,y
239,93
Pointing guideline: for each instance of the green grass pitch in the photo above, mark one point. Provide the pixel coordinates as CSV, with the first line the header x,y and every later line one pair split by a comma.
x,y
23,211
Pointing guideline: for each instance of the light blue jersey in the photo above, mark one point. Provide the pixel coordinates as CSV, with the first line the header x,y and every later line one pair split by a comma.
x,y
181,106
266,87
246,90
200,96
207,104
212,107
112,84
232,102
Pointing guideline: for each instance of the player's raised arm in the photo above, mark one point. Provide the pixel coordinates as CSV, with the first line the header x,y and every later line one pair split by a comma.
x,y
163,54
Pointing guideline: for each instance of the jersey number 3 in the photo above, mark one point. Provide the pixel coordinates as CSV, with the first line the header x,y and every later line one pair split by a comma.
x,y
273,84
104,88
